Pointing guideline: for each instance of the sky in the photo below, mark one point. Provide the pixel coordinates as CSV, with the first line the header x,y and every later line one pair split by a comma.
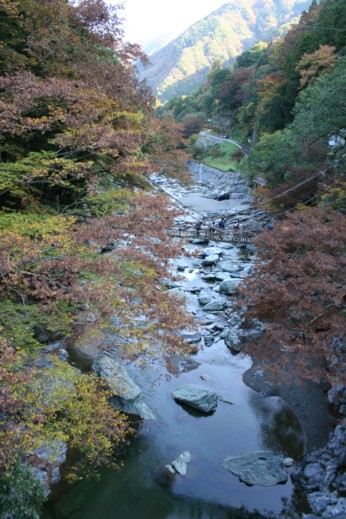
x,y
147,19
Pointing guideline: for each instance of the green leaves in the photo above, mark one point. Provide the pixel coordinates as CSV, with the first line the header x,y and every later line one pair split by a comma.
x,y
20,494
320,111
271,157
26,325
28,180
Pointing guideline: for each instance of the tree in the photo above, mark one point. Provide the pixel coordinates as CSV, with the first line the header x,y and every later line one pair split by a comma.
x,y
313,65
255,56
320,114
75,123
309,153
236,90
192,125
272,113
298,291
271,157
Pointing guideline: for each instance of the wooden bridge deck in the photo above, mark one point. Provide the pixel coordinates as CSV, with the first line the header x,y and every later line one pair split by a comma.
x,y
221,235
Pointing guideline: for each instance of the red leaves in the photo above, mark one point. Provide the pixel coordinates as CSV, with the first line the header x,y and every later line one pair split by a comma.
x,y
13,374
299,289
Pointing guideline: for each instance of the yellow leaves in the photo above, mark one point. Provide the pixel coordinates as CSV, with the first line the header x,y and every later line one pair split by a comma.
x,y
58,403
302,207
128,119
315,64
12,8
110,201
36,123
334,196
35,226
26,241
56,169
91,423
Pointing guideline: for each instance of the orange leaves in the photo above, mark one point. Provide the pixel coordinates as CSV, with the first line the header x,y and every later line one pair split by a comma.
x,y
14,376
315,64
271,85
139,257
54,267
38,277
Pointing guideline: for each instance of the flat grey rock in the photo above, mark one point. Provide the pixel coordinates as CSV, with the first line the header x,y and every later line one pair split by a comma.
x,y
215,305
262,468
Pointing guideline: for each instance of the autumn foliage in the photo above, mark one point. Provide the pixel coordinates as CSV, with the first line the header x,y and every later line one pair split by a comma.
x,y
82,234
55,404
298,290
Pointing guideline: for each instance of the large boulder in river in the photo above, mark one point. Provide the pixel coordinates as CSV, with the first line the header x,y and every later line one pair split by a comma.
x,y
210,260
215,305
232,339
262,468
228,286
127,396
228,266
197,397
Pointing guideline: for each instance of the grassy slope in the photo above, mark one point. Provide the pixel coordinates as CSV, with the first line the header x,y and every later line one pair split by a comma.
x,y
220,156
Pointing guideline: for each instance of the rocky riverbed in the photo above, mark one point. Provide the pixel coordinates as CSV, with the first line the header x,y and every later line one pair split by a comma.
x,y
208,443
320,476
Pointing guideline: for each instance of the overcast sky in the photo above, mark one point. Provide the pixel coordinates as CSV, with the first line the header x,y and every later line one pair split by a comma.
x,y
146,19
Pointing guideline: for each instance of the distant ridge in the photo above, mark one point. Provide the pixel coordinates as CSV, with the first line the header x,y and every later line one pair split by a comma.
x,y
182,65
154,45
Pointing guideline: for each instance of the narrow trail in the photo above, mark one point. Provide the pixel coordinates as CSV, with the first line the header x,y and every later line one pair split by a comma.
x,y
245,149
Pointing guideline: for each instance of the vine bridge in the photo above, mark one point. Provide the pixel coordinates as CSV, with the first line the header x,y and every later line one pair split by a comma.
x,y
211,233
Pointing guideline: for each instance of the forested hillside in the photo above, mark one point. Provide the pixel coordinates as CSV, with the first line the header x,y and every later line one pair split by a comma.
x,y
288,99
183,64
74,124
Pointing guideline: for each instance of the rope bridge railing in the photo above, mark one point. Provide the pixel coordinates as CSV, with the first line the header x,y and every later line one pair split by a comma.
x,y
215,234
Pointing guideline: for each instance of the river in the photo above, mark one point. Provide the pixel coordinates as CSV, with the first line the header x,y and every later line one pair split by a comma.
x,y
140,489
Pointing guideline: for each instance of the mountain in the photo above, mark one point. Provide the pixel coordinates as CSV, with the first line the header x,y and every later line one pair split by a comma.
x,y
182,65
155,44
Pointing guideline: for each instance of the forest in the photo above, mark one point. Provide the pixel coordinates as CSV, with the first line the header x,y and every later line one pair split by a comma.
x,y
77,132
79,135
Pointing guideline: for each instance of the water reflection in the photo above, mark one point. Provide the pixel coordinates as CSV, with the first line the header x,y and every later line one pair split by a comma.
x,y
280,428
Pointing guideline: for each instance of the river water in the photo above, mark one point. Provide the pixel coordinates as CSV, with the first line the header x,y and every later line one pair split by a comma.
x,y
140,490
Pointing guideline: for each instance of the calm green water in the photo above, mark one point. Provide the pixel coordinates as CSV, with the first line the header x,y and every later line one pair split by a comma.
x,y
138,490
